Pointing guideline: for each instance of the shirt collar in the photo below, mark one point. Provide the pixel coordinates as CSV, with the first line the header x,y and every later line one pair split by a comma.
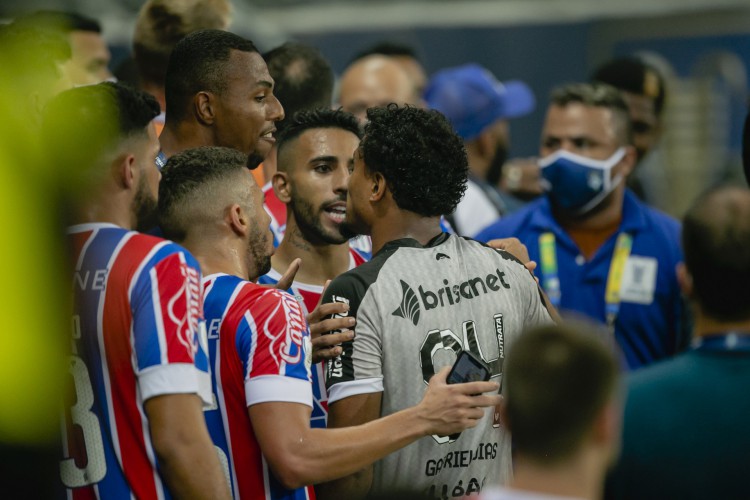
x,y
633,216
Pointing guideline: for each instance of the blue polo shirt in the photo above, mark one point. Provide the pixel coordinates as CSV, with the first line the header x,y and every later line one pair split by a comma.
x,y
650,324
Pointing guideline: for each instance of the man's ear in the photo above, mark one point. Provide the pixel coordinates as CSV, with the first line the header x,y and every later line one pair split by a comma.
x,y
685,280
379,187
124,170
237,220
281,187
203,102
627,164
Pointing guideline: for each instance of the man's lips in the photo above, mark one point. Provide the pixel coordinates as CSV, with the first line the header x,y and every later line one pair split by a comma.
x,y
336,211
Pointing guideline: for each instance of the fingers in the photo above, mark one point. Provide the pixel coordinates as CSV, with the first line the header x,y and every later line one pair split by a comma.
x,y
470,388
334,339
324,310
327,347
331,324
440,377
285,282
531,265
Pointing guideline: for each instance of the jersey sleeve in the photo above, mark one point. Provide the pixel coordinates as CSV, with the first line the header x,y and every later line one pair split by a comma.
x,y
168,330
359,368
273,342
536,310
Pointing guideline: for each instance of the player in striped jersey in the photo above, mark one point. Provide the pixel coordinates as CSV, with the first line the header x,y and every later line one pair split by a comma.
x,y
315,154
138,352
260,349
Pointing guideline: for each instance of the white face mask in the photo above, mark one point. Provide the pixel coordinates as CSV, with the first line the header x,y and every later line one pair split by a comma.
x,y
577,183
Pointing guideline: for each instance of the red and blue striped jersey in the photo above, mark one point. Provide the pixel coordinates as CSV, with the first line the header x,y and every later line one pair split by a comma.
x,y
260,351
138,332
308,297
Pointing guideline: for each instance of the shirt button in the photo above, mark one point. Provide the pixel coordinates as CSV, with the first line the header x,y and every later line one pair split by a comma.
x,y
580,260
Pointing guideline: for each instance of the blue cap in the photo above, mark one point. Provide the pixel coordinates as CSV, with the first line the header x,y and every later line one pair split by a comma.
x,y
472,98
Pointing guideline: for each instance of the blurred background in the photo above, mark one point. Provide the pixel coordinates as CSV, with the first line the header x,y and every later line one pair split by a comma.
x,y
701,46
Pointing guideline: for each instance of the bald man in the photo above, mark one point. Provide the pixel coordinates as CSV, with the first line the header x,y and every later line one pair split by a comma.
x,y
373,81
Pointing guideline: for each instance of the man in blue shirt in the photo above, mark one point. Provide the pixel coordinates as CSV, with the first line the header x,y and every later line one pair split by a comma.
x,y
601,251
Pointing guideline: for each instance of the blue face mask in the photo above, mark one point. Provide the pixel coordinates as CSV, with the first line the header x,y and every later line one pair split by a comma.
x,y
578,184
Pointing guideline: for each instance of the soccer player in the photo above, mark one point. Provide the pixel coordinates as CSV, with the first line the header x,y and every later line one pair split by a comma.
x,y
424,297
260,349
219,93
315,156
138,361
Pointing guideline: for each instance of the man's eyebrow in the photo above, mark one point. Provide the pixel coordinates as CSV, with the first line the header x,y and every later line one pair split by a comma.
x,y
323,158
264,83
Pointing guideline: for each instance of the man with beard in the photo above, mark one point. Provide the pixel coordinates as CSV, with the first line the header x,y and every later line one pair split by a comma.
x,y
478,107
138,360
424,297
260,348
315,155
602,252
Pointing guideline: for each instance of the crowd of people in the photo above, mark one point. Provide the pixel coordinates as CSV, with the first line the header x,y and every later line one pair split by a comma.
x,y
272,280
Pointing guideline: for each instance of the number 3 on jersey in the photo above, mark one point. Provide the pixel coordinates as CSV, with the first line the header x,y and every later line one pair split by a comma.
x,y
81,416
448,340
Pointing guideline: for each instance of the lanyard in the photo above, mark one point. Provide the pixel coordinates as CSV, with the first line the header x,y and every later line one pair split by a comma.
x,y
551,279
723,342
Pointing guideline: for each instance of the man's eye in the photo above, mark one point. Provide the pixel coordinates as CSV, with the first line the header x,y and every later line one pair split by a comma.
x,y
323,168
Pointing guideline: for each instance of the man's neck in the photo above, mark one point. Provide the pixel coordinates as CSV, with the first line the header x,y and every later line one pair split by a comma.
x,y
579,477
320,262
396,224
218,255
705,325
113,210
176,138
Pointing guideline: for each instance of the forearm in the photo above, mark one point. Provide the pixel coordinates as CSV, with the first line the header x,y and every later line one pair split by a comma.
x,y
320,455
179,464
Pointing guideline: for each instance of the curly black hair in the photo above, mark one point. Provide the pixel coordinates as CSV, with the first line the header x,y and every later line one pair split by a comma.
x,y
421,157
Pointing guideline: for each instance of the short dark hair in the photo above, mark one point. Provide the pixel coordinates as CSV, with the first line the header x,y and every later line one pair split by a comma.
x,y
716,241
163,23
199,63
303,79
82,124
557,378
315,119
598,95
635,76
387,48
422,159
186,180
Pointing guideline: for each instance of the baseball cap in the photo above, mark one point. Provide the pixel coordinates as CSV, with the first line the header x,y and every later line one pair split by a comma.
x,y
472,98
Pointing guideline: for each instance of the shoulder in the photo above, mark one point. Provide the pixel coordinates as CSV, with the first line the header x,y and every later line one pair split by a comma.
x,y
663,230
650,385
511,225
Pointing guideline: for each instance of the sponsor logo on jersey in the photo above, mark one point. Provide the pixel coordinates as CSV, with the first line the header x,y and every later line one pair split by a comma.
x,y
409,307
448,295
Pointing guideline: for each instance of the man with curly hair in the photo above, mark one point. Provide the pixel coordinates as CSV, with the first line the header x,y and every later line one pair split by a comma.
x,y
424,298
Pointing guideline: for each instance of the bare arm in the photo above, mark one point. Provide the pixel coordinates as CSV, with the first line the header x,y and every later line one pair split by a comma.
x,y
300,455
183,446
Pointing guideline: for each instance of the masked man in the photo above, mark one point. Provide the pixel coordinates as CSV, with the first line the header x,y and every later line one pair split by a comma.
x,y
601,251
